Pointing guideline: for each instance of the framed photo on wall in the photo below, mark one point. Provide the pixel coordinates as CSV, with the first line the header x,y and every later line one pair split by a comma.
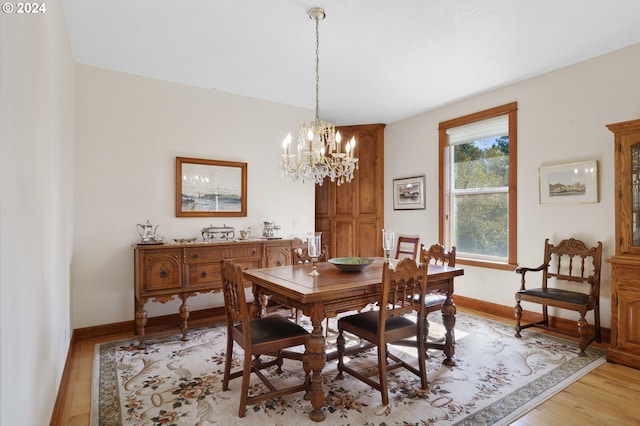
x,y
210,188
408,193
570,183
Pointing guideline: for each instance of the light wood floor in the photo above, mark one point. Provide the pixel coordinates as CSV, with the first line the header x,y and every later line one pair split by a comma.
x,y
609,395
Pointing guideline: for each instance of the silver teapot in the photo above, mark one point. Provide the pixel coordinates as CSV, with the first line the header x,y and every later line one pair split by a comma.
x,y
269,229
148,233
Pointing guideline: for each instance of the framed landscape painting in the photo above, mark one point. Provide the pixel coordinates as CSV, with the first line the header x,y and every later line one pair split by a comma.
x,y
570,183
210,188
408,193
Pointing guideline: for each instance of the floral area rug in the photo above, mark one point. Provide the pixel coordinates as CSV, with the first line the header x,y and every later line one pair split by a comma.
x,y
497,379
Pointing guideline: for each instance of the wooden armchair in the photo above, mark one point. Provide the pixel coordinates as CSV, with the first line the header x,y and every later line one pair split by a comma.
x,y
575,270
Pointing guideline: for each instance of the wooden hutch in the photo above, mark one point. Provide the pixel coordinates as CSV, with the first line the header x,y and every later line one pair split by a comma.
x,y
625,264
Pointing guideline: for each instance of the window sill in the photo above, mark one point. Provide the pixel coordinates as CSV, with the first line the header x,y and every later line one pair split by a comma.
x,y
485,264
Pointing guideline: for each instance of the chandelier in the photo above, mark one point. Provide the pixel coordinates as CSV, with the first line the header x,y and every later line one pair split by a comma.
x,y
320,153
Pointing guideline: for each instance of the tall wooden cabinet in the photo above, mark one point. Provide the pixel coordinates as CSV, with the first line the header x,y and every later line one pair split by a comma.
x,y
625,264
350,216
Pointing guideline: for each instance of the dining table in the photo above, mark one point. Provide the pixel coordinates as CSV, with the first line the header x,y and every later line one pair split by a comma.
x,y
332,292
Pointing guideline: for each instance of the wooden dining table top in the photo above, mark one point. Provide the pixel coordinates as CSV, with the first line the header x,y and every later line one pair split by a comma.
x,y
295,282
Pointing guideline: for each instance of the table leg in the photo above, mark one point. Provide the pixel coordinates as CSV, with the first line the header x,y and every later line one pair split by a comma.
x,y
315,360
449,322
259,306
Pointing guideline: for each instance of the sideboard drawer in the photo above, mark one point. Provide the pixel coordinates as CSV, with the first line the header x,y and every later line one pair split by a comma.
x,y
203,274
226,251
202,254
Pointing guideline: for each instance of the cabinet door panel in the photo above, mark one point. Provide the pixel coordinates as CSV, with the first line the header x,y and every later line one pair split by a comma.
x,y
369,233
162,271
278,255
628,331
343,236
368,201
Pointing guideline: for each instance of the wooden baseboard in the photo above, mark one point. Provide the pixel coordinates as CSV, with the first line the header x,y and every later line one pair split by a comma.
x,y
564,326
196,318
216,315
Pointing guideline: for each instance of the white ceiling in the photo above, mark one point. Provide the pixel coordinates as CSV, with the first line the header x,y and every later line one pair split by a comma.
x,y
380,60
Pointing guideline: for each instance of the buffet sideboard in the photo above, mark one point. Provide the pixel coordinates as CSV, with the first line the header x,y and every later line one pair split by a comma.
x,y
166,271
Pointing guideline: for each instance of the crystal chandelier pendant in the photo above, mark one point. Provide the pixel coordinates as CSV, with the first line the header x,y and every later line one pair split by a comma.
x,y
320,153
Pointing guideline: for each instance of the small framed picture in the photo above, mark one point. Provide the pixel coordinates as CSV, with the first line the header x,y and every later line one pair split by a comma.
x,y
408,193
571,183
210,188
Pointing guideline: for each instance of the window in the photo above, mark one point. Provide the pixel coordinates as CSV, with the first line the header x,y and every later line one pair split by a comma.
x,y
478,170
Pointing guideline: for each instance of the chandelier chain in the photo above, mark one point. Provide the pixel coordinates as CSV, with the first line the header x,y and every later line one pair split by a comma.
x,y
320,152
317,19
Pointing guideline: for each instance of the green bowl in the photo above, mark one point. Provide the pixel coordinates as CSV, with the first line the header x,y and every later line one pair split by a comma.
x,y
351,264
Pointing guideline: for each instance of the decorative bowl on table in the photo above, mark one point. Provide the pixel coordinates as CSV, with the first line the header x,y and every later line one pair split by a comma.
x,y
351,264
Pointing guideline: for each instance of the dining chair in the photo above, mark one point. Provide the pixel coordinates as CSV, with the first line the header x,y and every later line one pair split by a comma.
x,y
436,254
300,255
256,336
407,247
387,324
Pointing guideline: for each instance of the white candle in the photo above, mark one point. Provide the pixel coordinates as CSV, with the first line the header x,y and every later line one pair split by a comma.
x,y
338,140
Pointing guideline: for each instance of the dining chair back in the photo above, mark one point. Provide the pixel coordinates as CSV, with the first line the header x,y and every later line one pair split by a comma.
x,y
387,324
407,247
256,336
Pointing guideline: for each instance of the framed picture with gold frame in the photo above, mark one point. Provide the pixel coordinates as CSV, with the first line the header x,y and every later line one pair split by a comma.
x,y
210,188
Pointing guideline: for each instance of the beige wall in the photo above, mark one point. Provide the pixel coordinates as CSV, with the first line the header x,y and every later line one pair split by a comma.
x,y
128,132
36,201
561,119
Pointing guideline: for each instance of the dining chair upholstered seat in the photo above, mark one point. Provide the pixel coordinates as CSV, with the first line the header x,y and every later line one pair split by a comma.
x,y
256,336
387,324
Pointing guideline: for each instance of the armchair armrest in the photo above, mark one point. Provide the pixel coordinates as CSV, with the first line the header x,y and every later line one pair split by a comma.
x,y
523,270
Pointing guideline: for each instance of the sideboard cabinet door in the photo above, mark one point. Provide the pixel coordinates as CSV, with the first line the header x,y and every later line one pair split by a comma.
x,y
278,254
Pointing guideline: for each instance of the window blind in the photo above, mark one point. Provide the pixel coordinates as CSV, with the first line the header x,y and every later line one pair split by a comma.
x,y
484,129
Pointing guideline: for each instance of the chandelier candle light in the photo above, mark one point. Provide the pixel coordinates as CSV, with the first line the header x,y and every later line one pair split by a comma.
x,y
319,150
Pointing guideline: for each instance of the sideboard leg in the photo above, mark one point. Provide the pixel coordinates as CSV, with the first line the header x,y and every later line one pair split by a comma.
x,y
141,322
184,317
